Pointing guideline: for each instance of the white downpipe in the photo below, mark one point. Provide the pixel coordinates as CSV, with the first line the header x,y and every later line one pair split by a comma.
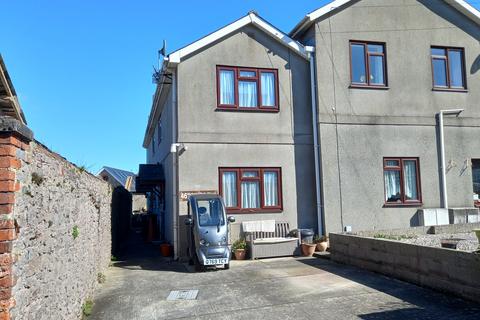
x,y
451,112
316,147
442,162
173,150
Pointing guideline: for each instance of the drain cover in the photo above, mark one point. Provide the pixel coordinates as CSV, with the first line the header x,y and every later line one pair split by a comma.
x,y
182,295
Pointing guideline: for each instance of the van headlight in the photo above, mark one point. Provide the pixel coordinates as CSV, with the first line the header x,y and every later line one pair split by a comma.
x,y
204,243
223,242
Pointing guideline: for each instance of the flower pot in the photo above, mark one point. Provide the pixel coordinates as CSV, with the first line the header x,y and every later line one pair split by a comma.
x,y
322,246
308,249
166,249
239,254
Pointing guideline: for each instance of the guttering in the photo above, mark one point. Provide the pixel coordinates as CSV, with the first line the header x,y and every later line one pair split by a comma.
x,y
316,146
451,112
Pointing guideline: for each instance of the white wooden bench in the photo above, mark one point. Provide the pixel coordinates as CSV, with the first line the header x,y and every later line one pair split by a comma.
x,y
279,243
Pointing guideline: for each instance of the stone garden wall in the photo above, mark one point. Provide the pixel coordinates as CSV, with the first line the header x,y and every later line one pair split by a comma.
x,y
63,240
442,269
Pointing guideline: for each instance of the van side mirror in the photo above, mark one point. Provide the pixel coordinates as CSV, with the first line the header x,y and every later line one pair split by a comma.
x,y
231,219
188,221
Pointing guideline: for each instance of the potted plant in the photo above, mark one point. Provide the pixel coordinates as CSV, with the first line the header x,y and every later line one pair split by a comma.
x,y
308,249
321,243
239,249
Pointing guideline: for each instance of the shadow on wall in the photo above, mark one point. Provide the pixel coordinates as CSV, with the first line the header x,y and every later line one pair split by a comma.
x,y
121,212
453,16
475,66
303,139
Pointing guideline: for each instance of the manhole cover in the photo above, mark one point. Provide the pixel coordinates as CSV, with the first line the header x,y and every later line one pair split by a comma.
x,y
182,295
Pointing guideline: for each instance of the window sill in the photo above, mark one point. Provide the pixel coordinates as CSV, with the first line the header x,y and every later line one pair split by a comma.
x,y
357,86
402,205
450,90
253,211
231,109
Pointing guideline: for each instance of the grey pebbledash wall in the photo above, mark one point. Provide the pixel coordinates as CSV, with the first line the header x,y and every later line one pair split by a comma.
x,y
54,271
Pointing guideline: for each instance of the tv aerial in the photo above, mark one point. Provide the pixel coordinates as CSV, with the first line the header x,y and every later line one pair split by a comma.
x,y
159,73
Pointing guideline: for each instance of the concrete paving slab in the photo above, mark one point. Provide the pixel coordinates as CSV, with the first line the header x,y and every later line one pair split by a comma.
x,y
284,288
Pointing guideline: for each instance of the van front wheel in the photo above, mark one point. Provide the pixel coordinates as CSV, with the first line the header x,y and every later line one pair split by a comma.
x,y
226,266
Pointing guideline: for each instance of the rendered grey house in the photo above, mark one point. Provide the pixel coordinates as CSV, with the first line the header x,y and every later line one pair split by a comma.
x,y
385,69
234,114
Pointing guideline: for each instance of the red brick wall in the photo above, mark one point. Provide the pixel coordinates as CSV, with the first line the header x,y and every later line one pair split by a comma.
x,y
10,146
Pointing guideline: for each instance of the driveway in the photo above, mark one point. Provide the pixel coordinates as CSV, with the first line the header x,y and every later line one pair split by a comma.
x,y
284,288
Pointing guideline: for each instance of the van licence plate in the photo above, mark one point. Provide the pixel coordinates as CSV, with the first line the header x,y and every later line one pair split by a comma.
x,y
211,262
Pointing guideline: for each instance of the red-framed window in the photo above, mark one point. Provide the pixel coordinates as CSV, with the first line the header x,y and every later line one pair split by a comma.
x,y
247,89
448,68
368,64
250,190
402,181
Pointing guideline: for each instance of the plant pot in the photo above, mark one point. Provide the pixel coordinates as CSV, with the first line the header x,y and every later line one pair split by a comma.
x,y
166,249
308,249
322,246
239,254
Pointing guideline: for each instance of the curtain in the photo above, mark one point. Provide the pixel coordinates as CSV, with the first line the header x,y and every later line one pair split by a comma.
x,y
268,88
376,70
227,87
410,177
392,185
229,189
270,189
247,94
250,194
249,174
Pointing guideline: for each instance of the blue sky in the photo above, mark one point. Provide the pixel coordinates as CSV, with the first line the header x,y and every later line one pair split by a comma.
x,y
82,68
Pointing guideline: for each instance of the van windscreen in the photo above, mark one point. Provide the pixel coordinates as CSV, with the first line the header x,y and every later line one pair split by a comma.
x,y
210,213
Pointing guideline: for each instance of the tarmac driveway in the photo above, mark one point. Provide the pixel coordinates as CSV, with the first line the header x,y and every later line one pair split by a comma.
x,y
284,288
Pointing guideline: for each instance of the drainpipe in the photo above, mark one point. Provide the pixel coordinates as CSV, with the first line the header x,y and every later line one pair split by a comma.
x,y
173,151
316,143
454,112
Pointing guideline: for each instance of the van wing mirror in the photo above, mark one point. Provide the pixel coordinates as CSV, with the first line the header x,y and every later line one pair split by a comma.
x,y
231,219
188,221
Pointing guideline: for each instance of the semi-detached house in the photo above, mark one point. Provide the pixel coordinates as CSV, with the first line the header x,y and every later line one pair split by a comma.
x,y
334,126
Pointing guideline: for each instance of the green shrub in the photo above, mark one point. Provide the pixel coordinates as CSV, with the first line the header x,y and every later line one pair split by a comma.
x,y
87,307
75,232
392,237
239,244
